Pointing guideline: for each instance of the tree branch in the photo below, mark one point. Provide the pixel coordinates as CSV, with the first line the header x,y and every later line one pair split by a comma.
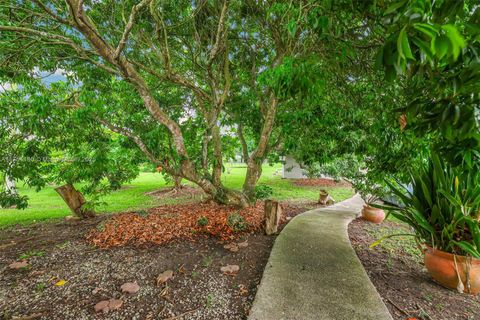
x,y
129,26
243,142
220,31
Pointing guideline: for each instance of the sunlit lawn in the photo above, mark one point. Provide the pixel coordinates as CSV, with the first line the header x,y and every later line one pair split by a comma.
x,y
47,204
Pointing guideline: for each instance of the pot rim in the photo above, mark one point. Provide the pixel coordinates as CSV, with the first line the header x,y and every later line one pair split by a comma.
x,y
449,256
367,206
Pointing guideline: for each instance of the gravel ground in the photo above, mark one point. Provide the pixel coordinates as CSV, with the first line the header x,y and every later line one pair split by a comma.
x,y
58,251
397,271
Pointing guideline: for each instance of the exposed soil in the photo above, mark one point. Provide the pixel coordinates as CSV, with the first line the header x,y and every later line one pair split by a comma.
x,y
198,290
320,182
403,282
184,191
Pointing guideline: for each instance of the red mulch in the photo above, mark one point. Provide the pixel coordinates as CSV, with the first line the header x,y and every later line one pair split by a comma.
x,y
166,223
320,182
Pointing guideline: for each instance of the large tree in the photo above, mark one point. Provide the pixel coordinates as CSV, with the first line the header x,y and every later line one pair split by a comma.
x,y
45,141
188,64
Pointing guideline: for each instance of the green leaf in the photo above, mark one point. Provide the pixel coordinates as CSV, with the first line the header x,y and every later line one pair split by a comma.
x,y
440,46
423,46
468,248
292,27
428,29
394,7
403,45
456,39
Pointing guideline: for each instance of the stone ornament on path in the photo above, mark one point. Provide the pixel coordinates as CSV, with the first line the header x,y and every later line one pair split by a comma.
x,y
325,199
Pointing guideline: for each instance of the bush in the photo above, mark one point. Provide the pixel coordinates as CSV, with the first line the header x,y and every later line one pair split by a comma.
x,y
202,221
263,191
237,222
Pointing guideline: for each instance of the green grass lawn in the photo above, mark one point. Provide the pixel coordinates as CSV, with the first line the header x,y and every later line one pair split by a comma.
x,y
47,204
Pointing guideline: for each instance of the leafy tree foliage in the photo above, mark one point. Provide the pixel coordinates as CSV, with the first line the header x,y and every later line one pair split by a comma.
x,y
45,141
433,48
186,83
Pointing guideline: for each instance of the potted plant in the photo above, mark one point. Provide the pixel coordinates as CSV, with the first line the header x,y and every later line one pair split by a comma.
x,y
370,212
371,193
443,208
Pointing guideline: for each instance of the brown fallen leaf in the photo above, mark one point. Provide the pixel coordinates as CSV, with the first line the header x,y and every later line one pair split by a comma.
x,y
242,290
230,268
130,287
36,273
102,306
115,304
243,244
231,246
164,277
18,265
107,305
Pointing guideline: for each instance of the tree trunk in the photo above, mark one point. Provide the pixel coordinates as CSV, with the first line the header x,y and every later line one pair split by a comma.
x,y
177,180
273,212
75,201
254,171
10,185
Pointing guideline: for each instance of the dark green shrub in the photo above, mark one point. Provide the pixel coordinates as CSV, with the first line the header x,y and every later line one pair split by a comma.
x,y
237,222
142,213
202,221
263,191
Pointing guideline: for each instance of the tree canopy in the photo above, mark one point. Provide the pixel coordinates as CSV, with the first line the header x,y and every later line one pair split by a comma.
x,y
184,84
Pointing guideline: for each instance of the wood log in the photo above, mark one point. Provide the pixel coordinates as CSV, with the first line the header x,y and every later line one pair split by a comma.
x,y
273,212
75,201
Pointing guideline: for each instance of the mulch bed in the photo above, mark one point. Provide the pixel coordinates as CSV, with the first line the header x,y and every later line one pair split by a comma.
x,y
163,224
404,284
320,182
59,251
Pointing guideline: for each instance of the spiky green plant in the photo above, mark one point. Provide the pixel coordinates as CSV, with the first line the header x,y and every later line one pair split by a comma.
x,y
443,207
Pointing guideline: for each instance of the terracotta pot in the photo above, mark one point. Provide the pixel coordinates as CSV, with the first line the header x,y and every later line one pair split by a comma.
x,y
372,214
441,266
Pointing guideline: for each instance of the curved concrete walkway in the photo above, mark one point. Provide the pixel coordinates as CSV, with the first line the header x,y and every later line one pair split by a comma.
x,y
314,273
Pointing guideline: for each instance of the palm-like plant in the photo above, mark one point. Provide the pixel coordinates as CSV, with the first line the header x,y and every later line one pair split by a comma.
x,y
443,207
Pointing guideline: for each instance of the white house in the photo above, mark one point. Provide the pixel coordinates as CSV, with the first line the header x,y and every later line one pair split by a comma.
x,y
291,169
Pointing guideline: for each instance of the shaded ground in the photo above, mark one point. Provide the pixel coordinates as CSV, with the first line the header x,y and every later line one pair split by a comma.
x,y
189,192
320,182
396,269
59,251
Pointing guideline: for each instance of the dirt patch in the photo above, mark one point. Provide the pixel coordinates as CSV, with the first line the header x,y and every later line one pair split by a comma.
x,y
184,191
398,273
66,276
320,182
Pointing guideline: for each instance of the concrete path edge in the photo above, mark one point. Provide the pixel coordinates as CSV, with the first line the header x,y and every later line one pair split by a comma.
x,y
314,273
